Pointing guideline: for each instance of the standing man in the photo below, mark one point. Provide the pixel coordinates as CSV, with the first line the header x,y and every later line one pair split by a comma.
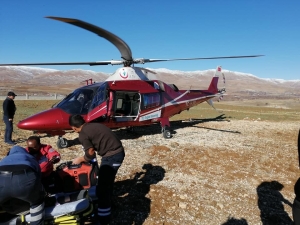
x,y
46,157
20,178
296,203
96,137
9,109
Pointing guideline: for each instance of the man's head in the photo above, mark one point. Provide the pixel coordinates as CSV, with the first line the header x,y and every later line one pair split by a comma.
x,y
76,122
33,144
11,95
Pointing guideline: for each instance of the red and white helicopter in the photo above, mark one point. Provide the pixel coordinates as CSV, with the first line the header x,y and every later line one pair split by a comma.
x,y
125,99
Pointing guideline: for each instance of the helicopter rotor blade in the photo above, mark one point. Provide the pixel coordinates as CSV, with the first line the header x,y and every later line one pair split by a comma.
x,y
202,58
147,70
114,39
96,63
120,62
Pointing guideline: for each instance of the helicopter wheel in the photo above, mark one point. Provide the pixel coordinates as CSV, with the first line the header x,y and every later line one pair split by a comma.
x,y
166,133
62,143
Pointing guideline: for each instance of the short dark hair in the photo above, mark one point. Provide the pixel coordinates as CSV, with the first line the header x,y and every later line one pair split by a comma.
x,y
10,93
34,138
76,121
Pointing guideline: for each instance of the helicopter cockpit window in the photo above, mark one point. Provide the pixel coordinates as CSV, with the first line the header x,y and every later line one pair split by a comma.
x,y
100,96
78,102
157,85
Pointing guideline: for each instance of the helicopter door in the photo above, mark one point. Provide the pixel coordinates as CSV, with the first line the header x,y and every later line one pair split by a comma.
x,y
136,105
110,104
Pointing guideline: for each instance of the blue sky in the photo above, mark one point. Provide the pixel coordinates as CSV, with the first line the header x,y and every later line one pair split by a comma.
x,y
157,29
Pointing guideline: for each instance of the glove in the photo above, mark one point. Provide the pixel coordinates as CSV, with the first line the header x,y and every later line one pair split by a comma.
x,y
55,159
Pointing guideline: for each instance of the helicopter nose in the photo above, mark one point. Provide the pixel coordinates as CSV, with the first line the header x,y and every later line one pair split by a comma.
x,y
52,119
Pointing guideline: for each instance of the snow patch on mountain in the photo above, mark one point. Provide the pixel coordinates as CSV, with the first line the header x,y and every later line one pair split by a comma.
x,y
164,70
26,69
203,72
281,81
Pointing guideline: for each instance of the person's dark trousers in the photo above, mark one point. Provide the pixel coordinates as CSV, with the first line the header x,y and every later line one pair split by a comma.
x,y
106,176
8,129
52,183
24,186
296,212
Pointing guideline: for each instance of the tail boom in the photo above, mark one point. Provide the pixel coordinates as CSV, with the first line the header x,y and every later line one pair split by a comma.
x,y
213,87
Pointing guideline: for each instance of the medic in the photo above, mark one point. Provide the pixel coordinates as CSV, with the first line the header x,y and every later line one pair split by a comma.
x,y
46,156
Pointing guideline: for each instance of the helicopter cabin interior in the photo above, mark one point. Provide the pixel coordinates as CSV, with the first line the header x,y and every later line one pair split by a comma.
x,y
126,106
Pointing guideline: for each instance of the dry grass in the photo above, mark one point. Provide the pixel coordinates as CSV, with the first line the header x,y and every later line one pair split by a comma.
x,y
215,170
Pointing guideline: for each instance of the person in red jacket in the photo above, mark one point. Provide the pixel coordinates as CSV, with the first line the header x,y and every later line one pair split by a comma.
x,y
46,156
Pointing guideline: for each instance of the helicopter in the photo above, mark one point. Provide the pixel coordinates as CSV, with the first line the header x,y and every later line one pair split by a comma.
x,y
127,98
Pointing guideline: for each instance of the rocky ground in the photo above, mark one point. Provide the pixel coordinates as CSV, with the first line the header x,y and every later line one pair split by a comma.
x,y
216,171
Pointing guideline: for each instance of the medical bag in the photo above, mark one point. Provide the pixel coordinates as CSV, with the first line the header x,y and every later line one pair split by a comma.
x,y
76,177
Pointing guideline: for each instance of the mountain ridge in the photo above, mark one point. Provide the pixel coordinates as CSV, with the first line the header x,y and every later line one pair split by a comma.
x,y
43,80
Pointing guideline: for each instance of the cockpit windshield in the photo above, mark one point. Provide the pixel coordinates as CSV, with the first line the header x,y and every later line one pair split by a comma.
x,y
82,100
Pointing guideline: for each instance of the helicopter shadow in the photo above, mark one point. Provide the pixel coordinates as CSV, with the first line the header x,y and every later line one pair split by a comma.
x,y
196,122
137,132
130,204
270,202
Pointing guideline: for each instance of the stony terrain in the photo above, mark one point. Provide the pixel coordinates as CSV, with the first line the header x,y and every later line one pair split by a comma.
x,y
213,171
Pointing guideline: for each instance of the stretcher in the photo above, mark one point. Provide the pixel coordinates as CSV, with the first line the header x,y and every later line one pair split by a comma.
x,y
60,209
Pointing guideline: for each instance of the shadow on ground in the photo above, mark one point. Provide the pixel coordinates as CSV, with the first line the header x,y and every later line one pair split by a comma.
x,y
270,202
130,204
233,221
137,132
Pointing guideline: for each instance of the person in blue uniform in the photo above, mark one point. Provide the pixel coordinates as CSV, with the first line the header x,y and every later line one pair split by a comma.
x,y
9,109
20,178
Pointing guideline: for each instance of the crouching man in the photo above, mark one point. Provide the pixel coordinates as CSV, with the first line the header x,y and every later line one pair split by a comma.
x,y
46,157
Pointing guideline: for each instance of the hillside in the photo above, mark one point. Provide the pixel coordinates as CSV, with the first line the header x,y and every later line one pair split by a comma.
x,y
238,85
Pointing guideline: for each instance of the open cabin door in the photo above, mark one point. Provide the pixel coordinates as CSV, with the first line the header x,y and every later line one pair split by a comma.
x,y
110,104
126,106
